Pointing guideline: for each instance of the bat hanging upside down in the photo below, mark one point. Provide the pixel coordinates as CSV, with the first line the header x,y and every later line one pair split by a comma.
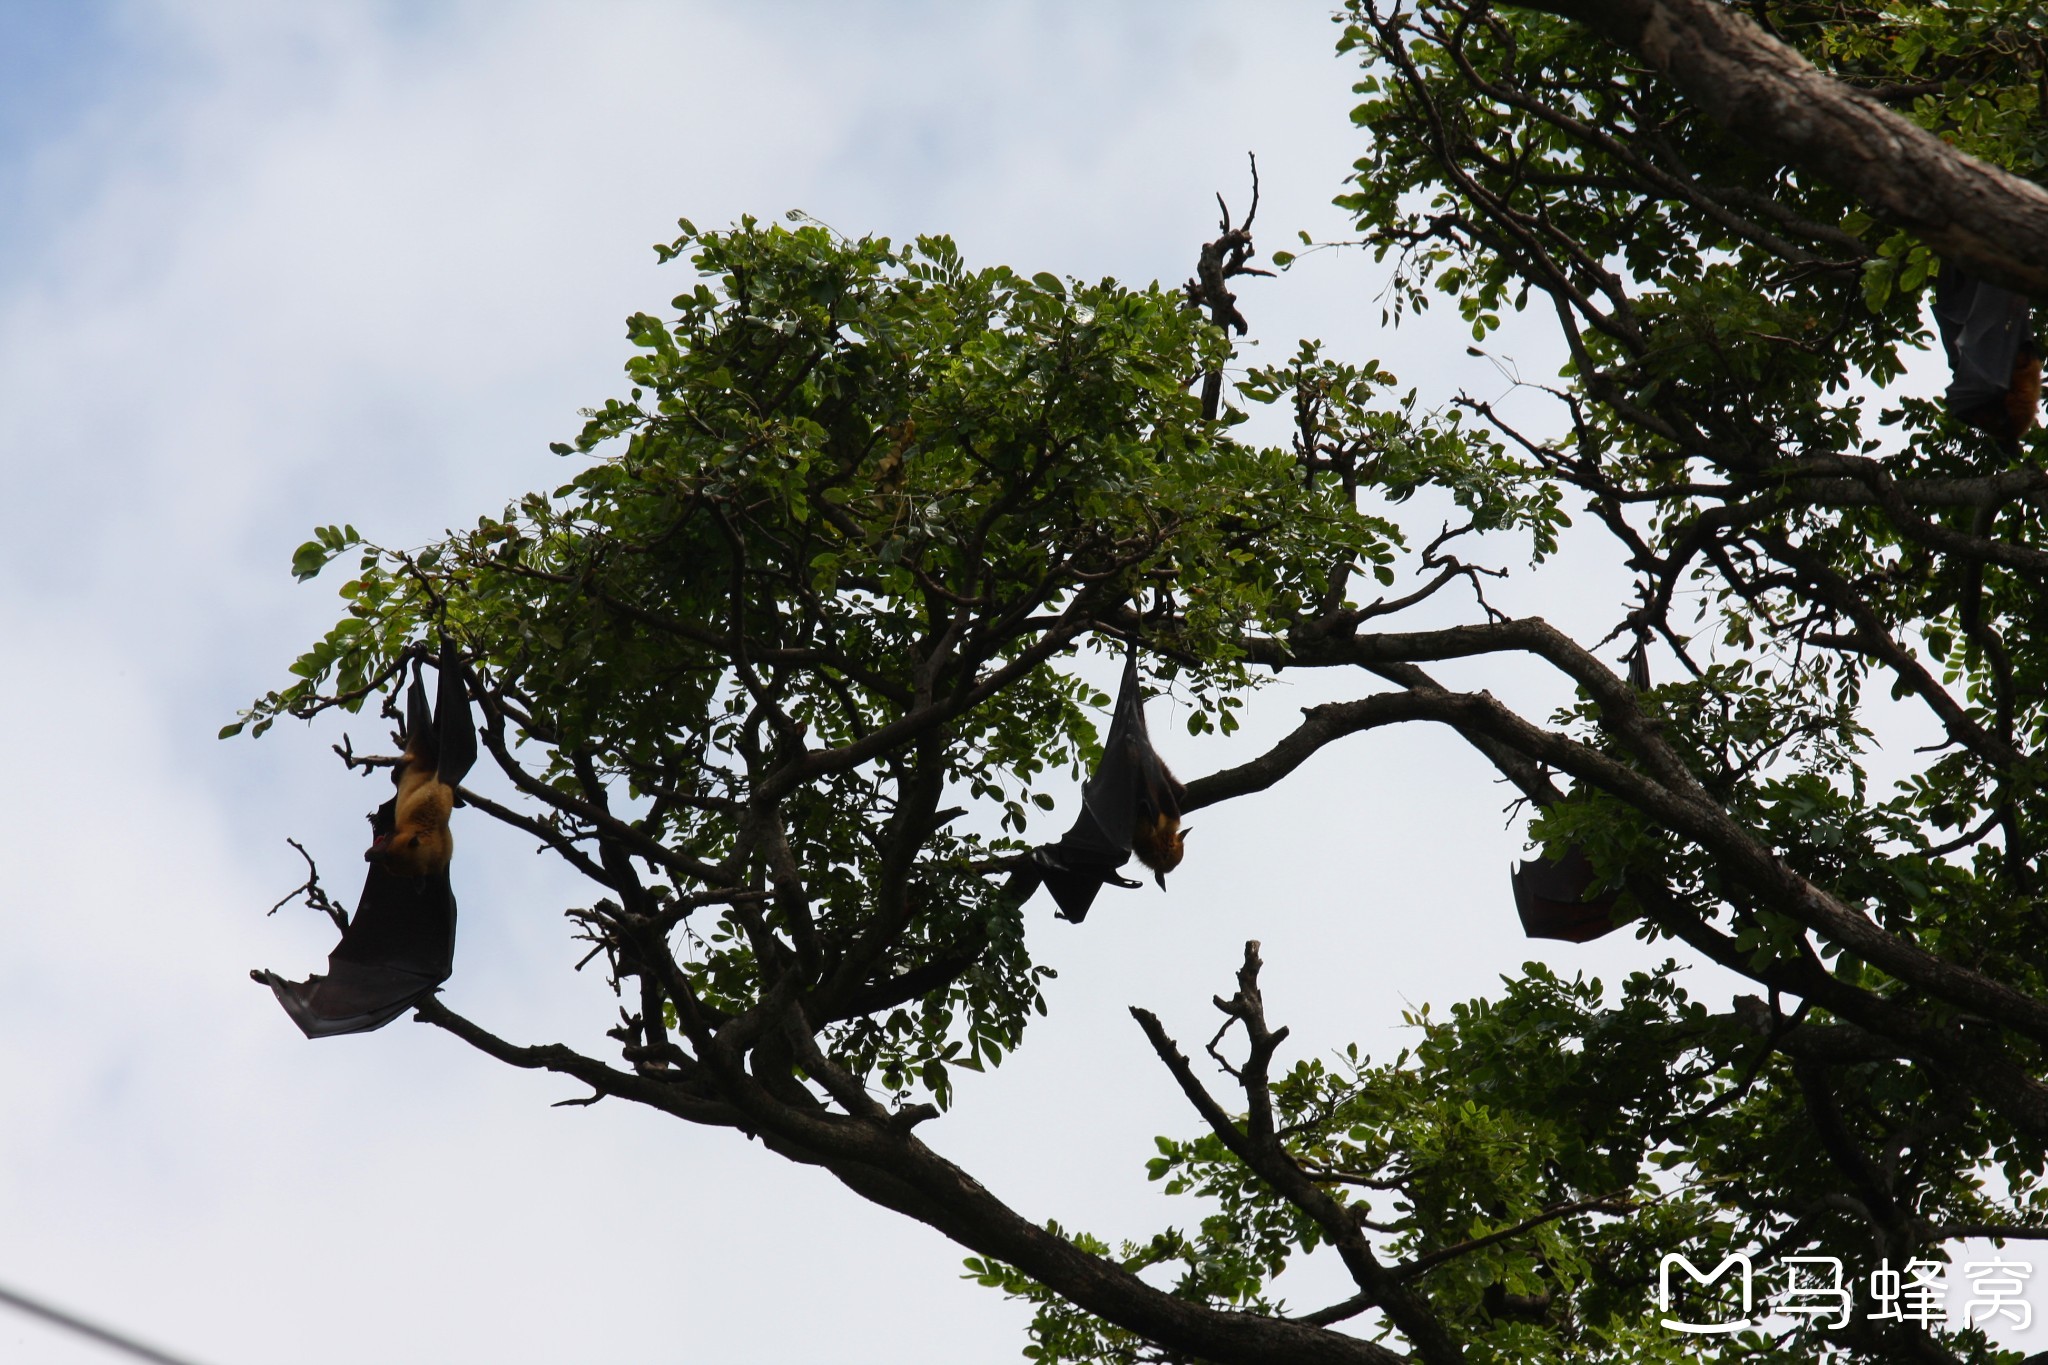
x,y
1554,899
1994,361
401,943
1132,804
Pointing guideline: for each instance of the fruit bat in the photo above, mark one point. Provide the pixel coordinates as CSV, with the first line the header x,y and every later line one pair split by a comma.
x,y
401,943
1638,661
1994,362
1131,804
1551,897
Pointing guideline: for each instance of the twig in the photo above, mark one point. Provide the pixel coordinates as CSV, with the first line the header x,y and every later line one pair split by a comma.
x,y
1616,1204
311,890
1222,260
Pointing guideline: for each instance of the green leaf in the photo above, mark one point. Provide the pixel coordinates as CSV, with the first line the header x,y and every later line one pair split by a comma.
x,y
309,559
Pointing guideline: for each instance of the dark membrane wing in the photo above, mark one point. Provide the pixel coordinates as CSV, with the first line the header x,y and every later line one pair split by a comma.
x,y
1114,791
1153,790
1985,329
1159,791
454,733
406,923
351,998
1087,844
420,737
1073,892
397,949
1080,865
441,735
1552,899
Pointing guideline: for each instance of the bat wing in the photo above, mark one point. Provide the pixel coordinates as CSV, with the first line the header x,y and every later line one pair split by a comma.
x,y
1117,786
1081,864
397,949
1074,892
1159,791
1984,328
1153,789
420,736
454,733
441,734
1552,899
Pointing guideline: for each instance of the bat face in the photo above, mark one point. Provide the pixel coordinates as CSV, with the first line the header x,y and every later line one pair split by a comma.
x,y
383,825
1160,844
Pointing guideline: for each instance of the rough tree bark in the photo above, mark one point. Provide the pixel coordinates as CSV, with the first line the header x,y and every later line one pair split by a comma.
x,y
1990,220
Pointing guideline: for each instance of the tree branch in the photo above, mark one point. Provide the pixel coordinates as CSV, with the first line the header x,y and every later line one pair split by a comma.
x,y
1990,221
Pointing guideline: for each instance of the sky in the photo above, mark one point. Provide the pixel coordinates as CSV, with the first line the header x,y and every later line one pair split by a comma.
x,y
269,267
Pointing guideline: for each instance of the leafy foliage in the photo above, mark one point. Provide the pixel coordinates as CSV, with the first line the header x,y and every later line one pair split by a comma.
x,y
1533,1158
817,557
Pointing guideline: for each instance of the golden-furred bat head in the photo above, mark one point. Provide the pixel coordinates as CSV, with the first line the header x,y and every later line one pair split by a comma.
x,y
1160,843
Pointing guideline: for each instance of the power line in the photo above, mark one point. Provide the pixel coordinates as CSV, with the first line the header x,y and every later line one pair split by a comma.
x,y
87,1329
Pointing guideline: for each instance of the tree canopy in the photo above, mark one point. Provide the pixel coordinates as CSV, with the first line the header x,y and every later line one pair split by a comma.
x,y
785,663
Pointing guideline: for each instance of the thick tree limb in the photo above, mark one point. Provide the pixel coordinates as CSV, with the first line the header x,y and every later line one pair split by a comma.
x,y
1986,219
877,1158
1662,788
1320,725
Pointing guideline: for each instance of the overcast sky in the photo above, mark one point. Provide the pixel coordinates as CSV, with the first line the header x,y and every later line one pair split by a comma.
x,y
264,267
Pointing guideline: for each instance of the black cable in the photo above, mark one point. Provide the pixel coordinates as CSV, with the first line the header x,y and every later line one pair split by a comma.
x,y
87,1329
